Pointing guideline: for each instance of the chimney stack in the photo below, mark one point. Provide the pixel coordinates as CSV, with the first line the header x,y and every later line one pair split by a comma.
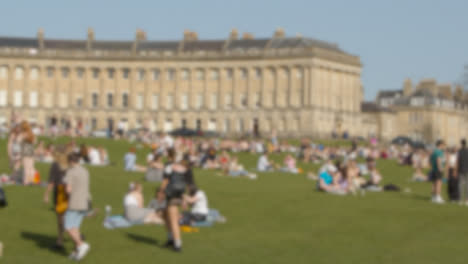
x,y
234,34
279,33
40,38
89,43
190,35
247,35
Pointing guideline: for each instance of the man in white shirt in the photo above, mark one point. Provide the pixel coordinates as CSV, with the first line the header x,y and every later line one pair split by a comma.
x,y
94,156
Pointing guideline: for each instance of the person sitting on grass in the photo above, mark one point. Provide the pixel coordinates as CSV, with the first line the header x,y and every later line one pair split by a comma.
x,y
155,169
264,164
223,161
134,210
130,162
197,201
329,180
290,164
373,184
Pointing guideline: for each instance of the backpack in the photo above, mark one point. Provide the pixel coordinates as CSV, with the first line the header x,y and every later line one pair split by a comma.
x,y
61,202
3,200
177,184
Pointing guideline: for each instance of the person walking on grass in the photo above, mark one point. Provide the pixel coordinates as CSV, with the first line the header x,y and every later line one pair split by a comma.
x,y
462,172
438,166
77,186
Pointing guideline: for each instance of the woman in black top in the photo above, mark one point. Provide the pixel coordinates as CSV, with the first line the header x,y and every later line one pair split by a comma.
x,y
172,189
56,174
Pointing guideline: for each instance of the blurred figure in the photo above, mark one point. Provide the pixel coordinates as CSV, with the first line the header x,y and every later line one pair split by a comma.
x,y
437,171
462,172
452,175
134,209
56,185
27,152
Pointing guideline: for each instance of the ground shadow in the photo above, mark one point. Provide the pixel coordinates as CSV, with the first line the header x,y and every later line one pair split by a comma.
x,y
43,241
143,239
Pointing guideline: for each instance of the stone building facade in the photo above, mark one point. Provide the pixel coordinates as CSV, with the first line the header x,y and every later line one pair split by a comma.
x,y
295,85
425,112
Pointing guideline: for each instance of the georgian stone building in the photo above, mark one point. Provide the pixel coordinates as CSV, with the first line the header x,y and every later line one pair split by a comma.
x,y
427,111
295,85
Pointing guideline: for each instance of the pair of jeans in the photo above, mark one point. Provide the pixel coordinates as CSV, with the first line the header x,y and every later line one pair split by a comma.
x,y
463,186
453,188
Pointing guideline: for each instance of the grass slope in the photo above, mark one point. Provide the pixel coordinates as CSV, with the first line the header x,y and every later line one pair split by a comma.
x,y
278,218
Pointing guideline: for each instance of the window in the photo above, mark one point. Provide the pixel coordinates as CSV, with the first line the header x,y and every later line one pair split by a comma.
x,y
168,125
140,74
169,101
199,103
198,125
212,124
257,100
3,97
33,73
19,73
139,101
65,72
240,125
79,102
125,100
155,102
3,72
170,74
258,73
33,99
93,123
184,102
125,73
95,74
200,74
110,74
63,100
80,73
110,100
185,74
155,74
243,74
229,74
228,101
18,99
243,100
94,100
226,125
214,74
48,100
50,72
214,101
299,73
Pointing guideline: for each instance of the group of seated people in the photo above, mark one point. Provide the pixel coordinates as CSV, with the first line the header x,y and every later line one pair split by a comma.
x,y
348,177
195,206
91,155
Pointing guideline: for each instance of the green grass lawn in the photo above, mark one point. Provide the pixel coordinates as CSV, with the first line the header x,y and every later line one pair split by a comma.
x,y
278,218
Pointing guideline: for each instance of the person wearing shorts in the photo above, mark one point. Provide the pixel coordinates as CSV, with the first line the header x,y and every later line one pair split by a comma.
x,y
77,185
173,173
437,167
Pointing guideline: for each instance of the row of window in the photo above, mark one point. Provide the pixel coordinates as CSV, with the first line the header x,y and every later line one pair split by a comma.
x,y
185,74
139,100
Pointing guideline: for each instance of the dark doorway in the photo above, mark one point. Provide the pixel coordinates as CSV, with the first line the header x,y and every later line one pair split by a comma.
x,y
184,123
110,127
198,125
256,128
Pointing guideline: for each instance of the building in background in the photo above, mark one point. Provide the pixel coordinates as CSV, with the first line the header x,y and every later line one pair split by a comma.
x,y
425,112
295,85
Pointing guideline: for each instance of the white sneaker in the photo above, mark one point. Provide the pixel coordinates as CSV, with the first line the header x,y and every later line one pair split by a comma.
x,y
72,256
82,251
438,200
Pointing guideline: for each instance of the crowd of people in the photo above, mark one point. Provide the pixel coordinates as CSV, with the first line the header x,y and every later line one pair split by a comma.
x,y
178,200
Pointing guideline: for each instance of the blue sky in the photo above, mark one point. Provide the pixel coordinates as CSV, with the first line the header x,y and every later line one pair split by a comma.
x,y
395,39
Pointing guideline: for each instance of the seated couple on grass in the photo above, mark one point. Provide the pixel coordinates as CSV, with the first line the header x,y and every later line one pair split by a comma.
x,y
346,178
135,212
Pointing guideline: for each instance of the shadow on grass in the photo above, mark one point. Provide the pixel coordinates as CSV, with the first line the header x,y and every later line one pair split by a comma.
x,y
143,239
43,241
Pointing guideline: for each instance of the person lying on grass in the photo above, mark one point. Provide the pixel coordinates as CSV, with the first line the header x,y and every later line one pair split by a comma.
x,y
329,181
